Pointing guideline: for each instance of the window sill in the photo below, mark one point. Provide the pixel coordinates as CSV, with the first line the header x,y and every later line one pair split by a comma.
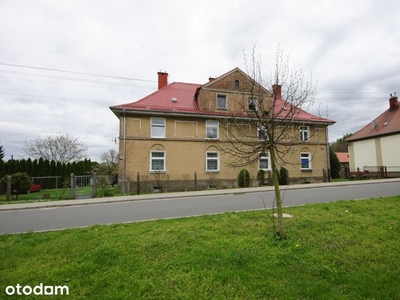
x,y
213,171
211,139
306,170
158,172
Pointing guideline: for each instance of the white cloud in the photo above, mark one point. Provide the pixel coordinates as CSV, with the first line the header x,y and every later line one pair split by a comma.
x,y
350,47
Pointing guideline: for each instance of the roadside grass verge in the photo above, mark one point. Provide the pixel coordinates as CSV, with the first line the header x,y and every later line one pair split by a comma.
x,y
58,194
340,250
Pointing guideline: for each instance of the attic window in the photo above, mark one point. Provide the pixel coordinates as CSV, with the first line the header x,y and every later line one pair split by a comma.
x,y
237,83
385,124
174,99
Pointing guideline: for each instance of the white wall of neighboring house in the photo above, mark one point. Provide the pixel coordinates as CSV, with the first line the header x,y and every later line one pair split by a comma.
x,y
390,146
362,153
383,151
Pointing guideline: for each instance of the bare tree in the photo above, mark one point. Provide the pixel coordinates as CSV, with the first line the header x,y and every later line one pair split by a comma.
x,y
109,163
62,148
262,123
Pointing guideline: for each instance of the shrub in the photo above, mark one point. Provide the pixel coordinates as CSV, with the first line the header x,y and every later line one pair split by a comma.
x,y
244,178
283,176
20,183
261,177
335,164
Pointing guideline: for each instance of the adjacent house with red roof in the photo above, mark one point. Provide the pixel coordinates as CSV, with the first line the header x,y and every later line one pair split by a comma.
x,y
344,160
378,142
174,136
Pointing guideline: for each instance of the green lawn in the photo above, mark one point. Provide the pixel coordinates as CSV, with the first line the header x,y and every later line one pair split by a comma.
x,y
58,194
341,250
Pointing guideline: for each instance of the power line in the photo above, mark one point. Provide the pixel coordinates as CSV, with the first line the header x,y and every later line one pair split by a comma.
x,y
51,97
68,78
73,72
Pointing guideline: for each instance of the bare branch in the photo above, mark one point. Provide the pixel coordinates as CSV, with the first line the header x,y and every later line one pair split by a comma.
x,y
61,148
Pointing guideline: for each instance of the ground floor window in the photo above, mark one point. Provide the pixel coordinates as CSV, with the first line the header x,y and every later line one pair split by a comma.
x,y
305,160
264,162
157,161
212,161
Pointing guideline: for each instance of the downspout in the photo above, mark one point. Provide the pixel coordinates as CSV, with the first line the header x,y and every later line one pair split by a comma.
x,y
328,160
124,157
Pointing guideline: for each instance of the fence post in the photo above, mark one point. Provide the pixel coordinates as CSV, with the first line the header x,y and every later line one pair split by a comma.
x,y
195,180
94,185
73,186
138,183
8,197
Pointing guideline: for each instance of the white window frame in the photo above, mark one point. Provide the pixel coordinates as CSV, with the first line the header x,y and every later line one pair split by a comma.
x,y
211,124
305,155
154,126
164,159
304,133
217,158
226,101
262,130
264,156
252,101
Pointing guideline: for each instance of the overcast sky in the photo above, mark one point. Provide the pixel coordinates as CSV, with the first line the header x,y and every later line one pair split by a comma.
x,y
49,49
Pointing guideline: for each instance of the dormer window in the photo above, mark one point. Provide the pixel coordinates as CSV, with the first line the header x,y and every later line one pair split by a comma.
x,y
222,102
252,104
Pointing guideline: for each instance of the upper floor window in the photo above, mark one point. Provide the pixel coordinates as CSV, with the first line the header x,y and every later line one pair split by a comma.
x,y
212,161
305,160
212,129
222,102
262,133
157,161
252,104
304,133
157,127
264,161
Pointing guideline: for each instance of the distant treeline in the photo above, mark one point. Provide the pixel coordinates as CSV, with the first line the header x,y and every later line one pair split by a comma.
x,y
43,167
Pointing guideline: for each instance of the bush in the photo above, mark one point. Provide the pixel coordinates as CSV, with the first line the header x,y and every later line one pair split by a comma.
x,y
244,178
261,177
335,164
283,176
20,182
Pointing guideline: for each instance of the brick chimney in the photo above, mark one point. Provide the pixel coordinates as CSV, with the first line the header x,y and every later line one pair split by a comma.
x,y
277,90
393,102
162,79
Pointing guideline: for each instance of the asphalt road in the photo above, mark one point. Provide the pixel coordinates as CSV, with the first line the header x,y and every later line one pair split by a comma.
x,y
53,218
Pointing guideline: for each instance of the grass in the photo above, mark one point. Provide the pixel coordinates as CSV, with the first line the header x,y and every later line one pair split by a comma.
x,y
341,250
57,194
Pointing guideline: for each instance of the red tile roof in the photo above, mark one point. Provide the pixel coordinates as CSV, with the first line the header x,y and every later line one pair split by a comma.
x,y
387,123
343,157
283,110
178,97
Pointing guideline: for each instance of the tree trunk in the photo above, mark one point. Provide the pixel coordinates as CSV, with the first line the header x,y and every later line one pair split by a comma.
x,y
275,180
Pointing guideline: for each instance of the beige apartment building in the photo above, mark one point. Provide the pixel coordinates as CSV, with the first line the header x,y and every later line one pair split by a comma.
x,y
176,138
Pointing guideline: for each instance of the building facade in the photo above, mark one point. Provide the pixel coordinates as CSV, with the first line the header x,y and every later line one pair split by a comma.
x,y
176,137
376,144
